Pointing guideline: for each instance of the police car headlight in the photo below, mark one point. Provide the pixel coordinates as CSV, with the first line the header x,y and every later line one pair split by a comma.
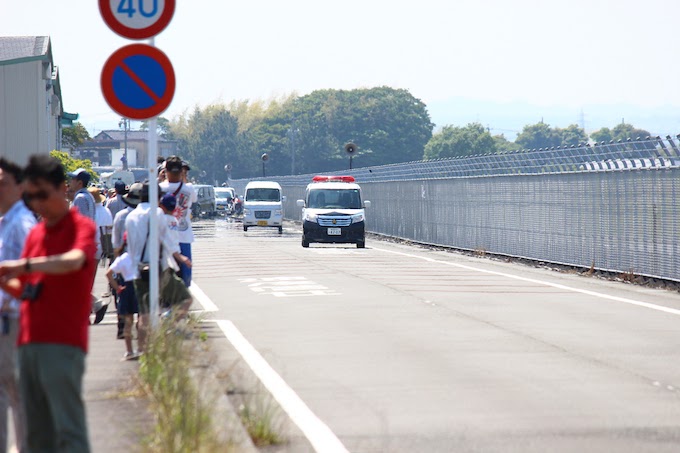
x,y
246,212
278,212
357,218
309,217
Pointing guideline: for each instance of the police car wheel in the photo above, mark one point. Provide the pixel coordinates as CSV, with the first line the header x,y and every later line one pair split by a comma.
x,y
361,244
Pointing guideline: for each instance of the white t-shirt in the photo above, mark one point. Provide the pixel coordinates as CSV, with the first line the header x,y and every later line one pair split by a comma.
x,y
173,226
185,197
102,218
124,266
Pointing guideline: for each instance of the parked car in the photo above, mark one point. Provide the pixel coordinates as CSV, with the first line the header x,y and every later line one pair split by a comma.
x,y
206,203
224,200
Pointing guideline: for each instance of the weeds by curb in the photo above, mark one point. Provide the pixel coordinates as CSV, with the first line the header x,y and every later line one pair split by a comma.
x,y
183,418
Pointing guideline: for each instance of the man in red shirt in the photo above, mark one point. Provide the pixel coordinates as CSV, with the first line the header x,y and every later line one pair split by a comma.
x,y
53,280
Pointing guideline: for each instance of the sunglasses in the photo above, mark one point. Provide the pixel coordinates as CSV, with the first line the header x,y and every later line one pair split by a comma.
x,y
40,195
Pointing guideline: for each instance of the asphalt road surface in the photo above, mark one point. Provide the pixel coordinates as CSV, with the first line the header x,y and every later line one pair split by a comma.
x,y
398,348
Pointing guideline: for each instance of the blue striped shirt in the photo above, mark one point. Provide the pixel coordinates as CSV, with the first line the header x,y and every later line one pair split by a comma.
x,y
14,227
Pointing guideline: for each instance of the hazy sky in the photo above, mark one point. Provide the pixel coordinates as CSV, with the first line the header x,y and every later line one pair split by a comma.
x,y
551,53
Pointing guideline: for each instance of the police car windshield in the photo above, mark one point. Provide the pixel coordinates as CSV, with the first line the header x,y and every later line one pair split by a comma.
x,y
334,199
262,194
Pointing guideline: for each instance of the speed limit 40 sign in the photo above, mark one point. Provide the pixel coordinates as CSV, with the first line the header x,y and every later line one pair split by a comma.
x,y
137,19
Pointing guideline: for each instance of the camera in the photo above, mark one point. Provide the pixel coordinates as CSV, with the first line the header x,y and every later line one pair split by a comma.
x,y
31,291
5,324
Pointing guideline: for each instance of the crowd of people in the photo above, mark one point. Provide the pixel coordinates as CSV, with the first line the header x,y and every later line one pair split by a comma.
x,y
56,230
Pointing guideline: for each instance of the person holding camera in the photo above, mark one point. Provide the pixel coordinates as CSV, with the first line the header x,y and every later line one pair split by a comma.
x,y
185,194
172,288
53,279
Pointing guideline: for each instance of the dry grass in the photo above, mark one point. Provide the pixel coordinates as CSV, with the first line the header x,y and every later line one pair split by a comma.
x,y
183,418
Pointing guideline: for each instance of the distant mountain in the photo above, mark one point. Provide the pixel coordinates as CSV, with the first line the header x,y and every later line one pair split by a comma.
x,y
510,118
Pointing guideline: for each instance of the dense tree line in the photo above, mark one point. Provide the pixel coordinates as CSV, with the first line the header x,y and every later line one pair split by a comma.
x,y
307,134
474,139
304,134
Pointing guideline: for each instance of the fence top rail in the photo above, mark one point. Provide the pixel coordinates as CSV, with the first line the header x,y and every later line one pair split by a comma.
x,y
630,155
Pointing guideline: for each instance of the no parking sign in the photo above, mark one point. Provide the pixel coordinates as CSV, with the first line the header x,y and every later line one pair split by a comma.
x,y
138,81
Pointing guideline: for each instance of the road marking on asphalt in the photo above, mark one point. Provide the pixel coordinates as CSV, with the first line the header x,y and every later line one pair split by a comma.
x,y
317,432
202,298
672,311
296,286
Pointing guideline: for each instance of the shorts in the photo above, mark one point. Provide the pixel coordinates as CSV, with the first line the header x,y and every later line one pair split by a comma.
x,y
173,291
127,300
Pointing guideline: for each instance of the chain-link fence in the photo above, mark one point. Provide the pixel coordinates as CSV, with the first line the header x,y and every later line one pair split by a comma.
x,y
608,206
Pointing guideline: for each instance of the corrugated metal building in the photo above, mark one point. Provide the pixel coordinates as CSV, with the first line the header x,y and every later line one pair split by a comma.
x,y
31,112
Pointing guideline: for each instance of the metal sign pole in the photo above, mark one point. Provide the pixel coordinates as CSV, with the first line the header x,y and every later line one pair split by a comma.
x,y
153,225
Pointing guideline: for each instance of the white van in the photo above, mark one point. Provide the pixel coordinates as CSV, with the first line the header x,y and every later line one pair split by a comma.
x,y
333,211
109,179
263,205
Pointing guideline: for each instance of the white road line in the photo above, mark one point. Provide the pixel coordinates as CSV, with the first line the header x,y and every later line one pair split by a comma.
x,y
317,432
672,311
202,298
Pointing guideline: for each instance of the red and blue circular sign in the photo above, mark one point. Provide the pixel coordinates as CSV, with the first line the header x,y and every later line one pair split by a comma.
x,y
138,81
137,19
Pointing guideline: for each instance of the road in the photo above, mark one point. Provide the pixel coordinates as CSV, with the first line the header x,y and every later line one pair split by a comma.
x,y
399,348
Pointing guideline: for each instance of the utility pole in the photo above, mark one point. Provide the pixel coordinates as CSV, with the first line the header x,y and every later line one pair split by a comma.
x,y
125,124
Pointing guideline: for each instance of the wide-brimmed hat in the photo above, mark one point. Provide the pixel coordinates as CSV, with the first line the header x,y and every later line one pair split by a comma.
x,y
96,194
134,195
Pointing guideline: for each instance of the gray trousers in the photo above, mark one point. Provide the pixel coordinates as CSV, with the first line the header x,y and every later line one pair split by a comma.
x,y
51,381
9,389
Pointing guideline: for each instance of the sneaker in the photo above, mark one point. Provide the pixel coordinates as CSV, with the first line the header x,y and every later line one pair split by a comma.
x,y
131,355
99,314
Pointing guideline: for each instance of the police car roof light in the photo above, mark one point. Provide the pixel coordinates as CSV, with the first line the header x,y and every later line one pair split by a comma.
x,y
332,178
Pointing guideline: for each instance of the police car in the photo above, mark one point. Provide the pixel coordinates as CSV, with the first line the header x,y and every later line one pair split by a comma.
x,y
333,211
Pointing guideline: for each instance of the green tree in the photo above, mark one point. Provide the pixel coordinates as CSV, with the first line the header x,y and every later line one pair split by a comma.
x,y
162,126
503,144
455,141
602,135
387,125
74,136
70,164
625,131
208,139
539,135
572,135
621,132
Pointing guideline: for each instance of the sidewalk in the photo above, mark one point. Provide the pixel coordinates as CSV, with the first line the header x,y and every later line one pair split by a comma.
x,y
119,420
116,419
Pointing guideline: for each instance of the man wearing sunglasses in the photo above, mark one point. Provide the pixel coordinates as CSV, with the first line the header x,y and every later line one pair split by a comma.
x,y
53,279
